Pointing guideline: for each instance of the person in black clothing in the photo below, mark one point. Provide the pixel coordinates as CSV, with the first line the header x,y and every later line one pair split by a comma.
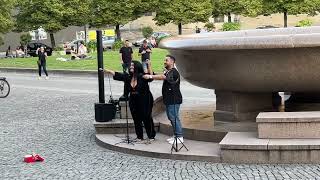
x,y
172,97
42,61
140,99
126,56
125,59
145,52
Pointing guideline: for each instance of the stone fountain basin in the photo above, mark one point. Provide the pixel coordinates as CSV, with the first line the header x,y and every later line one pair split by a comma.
x,y
268,60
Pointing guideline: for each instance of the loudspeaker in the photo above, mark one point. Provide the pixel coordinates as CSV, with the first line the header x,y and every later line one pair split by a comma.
x,y
104,112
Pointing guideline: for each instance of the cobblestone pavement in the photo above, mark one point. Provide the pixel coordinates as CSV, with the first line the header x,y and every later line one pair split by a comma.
x,y
56,122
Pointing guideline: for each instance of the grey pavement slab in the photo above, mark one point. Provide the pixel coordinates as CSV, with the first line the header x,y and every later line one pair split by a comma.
x,y
54,118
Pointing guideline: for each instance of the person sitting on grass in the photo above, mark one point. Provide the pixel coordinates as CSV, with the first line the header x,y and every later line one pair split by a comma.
x,y
82,52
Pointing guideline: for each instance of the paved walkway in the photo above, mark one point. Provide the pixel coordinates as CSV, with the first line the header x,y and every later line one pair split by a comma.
x,y
54,118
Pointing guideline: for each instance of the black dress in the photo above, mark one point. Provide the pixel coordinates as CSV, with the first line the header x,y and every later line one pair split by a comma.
x,y
140,103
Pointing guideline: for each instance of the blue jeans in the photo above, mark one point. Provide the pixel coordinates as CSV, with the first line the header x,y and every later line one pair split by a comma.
x,y
173,116
144,66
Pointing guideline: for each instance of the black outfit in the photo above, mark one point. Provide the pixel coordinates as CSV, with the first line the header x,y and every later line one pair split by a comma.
x,y
171,88
140,103
126,53
146,55
42,63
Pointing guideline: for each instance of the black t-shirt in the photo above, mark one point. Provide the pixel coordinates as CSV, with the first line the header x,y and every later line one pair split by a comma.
x,y
171,88
126,54
42,56
146,55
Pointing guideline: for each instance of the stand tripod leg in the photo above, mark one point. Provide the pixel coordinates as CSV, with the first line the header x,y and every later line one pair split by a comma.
x,y
127,139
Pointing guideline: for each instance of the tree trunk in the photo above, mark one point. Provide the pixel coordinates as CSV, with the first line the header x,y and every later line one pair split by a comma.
x,y
86,34
229,18
285,18
180,28
118,32
53,42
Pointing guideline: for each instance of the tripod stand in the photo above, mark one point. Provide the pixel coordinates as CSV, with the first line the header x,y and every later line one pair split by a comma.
x,y
127,139
176,139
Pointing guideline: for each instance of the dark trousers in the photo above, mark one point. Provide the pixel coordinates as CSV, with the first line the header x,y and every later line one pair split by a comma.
x,y
141,110
42,65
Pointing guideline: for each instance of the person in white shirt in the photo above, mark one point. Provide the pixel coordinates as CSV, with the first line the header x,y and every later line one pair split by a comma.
x,y
82,52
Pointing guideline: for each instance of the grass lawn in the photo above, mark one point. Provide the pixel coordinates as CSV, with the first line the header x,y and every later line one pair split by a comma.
x,y
111,61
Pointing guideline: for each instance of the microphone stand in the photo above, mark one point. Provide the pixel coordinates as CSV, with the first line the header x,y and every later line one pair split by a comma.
x,y
127,139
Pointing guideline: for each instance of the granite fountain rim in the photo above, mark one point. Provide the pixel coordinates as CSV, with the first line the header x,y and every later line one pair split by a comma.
x,y
295,37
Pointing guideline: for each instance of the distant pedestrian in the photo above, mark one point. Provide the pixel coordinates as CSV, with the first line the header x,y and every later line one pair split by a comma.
x,y
42,61
145,52
9,53
125,60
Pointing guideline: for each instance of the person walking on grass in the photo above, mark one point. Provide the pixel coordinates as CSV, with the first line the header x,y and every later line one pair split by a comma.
x,y
42,62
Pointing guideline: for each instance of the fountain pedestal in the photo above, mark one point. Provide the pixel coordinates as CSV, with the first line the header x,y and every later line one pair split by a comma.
x,y
240,106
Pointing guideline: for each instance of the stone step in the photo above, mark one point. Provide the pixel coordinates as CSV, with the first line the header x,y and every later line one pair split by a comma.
x,y
289,124
118,126
246,147
160,148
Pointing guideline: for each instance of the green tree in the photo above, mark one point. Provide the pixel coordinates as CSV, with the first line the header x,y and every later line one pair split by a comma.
x,y
182,12
48,14
243,7
78,13
116,13
6,21
291,7
25,39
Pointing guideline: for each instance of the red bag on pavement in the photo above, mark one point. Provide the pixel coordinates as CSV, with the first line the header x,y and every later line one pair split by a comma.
x,y
32,158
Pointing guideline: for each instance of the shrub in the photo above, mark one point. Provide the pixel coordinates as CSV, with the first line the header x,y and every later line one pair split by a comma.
x,y
92,46
230,26
304,23
147,32
58,48
209,26
25,39
117,45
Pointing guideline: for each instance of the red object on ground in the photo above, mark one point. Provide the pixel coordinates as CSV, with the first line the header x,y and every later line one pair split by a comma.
x,y
33,158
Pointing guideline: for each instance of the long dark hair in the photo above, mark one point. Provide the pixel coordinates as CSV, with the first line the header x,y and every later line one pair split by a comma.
x,y
138,70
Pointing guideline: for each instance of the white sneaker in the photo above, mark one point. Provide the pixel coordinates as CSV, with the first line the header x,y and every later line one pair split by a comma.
x,y
39,77
47,77
179,140
170,139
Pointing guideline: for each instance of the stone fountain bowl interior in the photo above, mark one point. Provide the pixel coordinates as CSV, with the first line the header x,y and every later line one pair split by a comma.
x,y
263,60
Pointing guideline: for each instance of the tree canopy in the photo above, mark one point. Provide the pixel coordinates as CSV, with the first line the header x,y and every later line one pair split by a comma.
x,y
183,12
291,7
243,7
6,20
116,13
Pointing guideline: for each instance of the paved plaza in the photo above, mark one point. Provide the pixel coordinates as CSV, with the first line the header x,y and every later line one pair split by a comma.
x,y
55,119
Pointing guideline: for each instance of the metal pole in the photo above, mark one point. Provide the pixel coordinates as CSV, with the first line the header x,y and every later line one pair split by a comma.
x,y
100,65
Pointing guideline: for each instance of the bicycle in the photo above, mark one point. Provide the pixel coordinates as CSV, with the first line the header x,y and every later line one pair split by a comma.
x,y
4,87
